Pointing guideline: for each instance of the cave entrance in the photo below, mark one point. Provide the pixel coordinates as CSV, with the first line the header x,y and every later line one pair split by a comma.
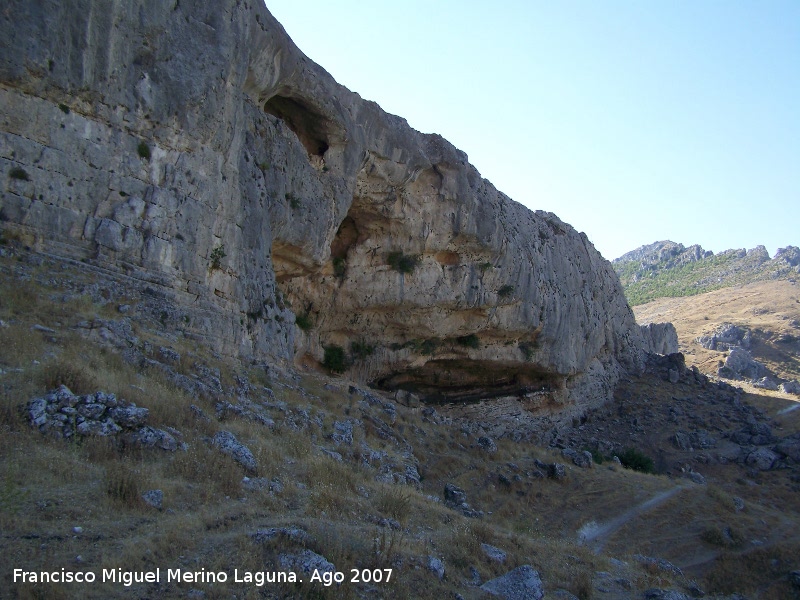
x,y
308,124
346,237
466,381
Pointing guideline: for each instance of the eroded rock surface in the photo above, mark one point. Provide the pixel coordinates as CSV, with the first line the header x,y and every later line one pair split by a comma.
x,y
193,149
660,338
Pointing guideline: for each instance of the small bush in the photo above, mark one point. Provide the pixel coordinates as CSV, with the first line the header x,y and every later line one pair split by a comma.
x,y
143,150
19,173
361,349
402,263
469,341
527,349
429,346
485,266
217,254
394,502
505,291
725,537
335,360
294,201
597,457
64,108
304,321
339,266
637,461
122,486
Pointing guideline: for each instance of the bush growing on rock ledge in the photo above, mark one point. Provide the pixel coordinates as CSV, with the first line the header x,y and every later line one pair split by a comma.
x,y
217,254
505,291
402,263
304,321
527,349
335,360
19,173
469,341
143,150
361,349
339,266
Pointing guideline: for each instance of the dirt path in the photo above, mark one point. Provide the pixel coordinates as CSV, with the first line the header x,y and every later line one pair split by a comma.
x,y
596,535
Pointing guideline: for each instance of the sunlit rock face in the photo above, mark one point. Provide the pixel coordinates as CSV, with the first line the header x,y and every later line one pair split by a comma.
x,y
191,146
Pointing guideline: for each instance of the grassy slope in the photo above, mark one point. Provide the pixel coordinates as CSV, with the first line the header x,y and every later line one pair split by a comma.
x,y
715,272
49,486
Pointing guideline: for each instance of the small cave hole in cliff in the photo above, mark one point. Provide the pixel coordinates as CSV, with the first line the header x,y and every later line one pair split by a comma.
x,y
310,126
346,237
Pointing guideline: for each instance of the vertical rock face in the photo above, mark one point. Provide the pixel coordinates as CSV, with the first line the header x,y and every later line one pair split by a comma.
x,y
192,146
660,338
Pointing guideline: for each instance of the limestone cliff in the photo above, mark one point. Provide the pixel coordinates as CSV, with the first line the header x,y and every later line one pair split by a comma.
x,y
192,146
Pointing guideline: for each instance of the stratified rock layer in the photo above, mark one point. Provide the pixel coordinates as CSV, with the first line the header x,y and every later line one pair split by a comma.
x,y
192,147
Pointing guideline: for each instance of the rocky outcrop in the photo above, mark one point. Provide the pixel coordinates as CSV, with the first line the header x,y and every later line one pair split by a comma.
x,y
740,363
521,583
66,415
193,149
726,337
660,338
667,269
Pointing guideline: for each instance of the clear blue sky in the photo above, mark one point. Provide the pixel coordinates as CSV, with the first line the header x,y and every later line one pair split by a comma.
x,y
633,121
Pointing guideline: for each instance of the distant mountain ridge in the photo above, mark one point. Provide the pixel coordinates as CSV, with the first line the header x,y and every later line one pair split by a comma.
x,y
668,269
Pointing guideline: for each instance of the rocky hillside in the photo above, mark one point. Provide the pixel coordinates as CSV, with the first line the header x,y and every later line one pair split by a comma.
x,y
127,447
191,148
667,269
748,333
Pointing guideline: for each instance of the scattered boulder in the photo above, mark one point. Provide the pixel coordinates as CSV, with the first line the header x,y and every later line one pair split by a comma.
x,y
153,498
227,443
762,459
407,398
658,594
696,477
343,431
523,583
790,387
306,561
551,470
659,563
754,433
436,566
790,447
487,444
456,498
726,337
294,534
794,577
150,437
681,440
255,484
740,363
766,383
494,553
583,459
